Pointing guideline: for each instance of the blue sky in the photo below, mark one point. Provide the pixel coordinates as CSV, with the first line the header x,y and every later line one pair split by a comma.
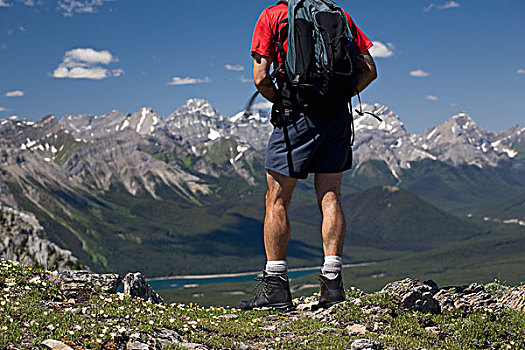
x,y
435,57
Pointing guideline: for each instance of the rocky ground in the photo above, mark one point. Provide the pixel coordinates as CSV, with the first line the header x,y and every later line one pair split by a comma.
x,y
42,309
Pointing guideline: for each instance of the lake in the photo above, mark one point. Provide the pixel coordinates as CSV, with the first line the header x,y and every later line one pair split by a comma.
x,y
179,282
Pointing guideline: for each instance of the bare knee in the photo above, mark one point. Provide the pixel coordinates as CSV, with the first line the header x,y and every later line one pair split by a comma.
x,y
279,191
275,202
327,189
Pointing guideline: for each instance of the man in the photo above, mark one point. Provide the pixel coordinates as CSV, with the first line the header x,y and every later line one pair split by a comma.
x,y
303,144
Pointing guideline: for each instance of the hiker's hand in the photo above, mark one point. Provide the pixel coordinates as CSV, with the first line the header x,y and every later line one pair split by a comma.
x,y
368,70
261,77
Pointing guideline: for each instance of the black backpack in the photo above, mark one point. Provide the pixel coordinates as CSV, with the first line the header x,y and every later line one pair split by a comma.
x,y
320,64
321,71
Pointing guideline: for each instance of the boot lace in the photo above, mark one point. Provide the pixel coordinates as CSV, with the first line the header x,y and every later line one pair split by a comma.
x,y
265,290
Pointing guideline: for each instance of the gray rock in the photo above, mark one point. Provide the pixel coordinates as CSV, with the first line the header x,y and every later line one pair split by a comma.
x,y
135,285
366,344
356,329
135,345
311,306
514,298
81,285
56,345
101,283
21,239
414,295
476,297
474,288
167,336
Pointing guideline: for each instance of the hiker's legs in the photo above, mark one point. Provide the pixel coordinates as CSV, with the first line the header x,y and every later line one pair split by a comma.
x,y
276,292
276,224
334,226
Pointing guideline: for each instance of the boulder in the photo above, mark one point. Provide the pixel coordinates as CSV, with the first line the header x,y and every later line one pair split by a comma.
x,y
56,345
81,284
415,295
467,298
514,298
366,344
135,285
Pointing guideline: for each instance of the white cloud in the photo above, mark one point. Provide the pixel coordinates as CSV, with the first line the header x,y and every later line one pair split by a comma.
x,y
88,56
117,72
432,98
521,71
95,73
14,93
382,50
243,79
234,67
86,63
263,105
428,8
32,3
20,29
188,81
70,7
2,109
419,73
448,5
445,6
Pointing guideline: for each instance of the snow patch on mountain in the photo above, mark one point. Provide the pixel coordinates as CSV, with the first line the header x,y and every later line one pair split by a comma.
x,y
458,140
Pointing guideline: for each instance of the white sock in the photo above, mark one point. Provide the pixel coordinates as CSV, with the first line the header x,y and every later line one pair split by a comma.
x,y
332,266
277,268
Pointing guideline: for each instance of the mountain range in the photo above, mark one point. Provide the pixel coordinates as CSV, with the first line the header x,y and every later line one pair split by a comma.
x,y
114,187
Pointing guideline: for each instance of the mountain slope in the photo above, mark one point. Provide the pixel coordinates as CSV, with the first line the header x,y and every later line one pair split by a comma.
x,y
191,186
510,211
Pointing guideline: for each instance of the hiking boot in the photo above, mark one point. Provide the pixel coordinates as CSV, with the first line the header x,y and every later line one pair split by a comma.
x,y
332,291
275,294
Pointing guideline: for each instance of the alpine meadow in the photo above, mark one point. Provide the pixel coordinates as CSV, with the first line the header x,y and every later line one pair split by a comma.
x,y
148,158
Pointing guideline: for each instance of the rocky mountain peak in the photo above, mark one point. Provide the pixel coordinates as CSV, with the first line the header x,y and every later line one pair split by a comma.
x,y
90,127
463,119
48,119
143,122
196,106
391,122
460,128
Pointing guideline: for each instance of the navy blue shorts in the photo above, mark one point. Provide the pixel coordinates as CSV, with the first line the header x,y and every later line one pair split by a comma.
x,y
310,145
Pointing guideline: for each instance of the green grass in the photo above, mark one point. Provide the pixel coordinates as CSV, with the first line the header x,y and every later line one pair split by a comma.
x,y
509,209
33,309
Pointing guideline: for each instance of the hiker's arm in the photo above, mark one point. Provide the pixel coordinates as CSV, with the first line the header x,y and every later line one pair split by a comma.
x,y
261,77
368,68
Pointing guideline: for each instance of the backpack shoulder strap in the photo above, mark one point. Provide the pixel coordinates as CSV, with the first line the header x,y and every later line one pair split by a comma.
x,y
282,52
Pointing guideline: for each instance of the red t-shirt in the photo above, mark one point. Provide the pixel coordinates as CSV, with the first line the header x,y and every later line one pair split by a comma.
x,y
266,27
